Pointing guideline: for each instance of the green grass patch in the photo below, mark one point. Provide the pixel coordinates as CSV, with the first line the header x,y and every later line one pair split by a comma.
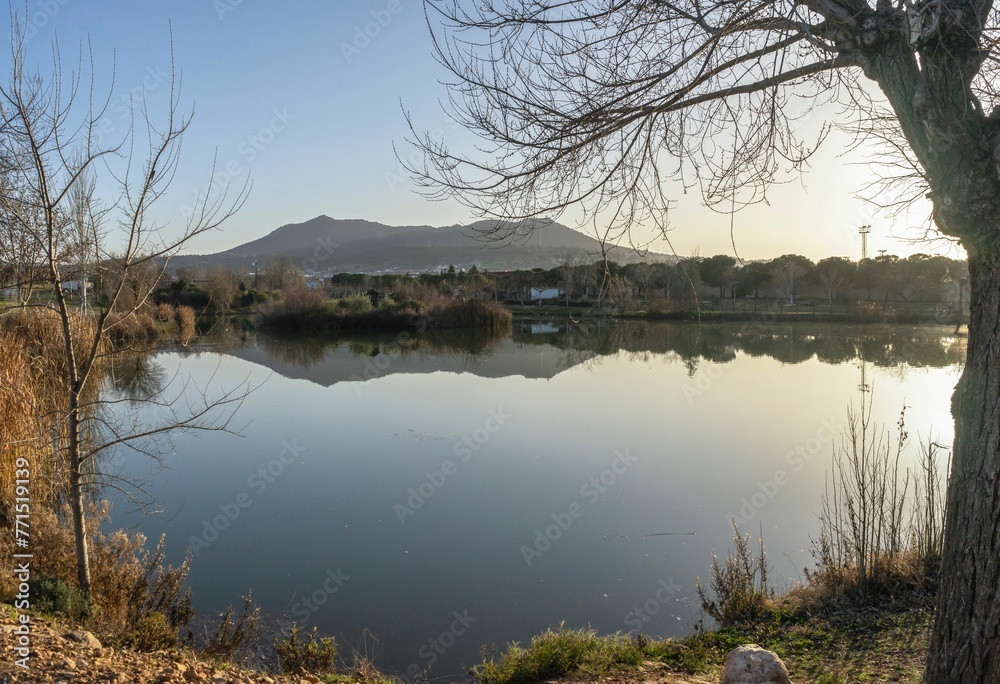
x,y
850,646
559,652
864,645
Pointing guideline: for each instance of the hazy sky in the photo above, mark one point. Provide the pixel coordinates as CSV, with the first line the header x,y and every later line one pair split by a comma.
x,y
304,98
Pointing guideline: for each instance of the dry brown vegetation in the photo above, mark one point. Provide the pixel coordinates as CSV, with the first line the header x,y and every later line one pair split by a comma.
x,y
165,312
135,601
184,315
30,399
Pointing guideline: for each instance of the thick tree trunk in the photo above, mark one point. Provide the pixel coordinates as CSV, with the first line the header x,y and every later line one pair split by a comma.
x,y
965,644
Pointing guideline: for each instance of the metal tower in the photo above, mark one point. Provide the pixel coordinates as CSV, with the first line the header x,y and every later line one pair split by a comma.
x,y
864,231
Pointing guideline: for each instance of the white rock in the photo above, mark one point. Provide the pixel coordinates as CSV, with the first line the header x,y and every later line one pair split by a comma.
x,y
85,638
751,664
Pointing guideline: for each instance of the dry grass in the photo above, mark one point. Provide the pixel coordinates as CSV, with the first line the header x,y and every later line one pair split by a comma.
x,y
164,312
22,410
132,331
473,313
184,315
33,378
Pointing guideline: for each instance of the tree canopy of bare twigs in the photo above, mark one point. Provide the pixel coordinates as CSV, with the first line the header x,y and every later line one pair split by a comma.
x,y
618,107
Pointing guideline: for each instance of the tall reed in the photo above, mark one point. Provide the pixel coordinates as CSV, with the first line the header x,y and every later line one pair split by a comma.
x,y
880,523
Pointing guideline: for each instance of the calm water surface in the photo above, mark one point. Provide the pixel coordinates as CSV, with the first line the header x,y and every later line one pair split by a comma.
x,y
450,492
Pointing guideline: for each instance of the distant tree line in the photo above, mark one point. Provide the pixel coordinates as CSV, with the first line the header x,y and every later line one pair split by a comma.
x,y
721,280
887,278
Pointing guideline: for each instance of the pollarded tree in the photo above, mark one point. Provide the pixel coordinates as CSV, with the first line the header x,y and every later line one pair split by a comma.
x,y
598,104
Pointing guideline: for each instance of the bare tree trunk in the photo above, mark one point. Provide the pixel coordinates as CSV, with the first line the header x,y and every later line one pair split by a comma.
x,y
965,644
76,462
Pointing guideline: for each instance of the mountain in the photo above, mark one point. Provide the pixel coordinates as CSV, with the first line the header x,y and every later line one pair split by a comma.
x,y
325,245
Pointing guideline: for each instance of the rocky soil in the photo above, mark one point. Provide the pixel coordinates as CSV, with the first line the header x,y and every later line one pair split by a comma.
x,y
60,654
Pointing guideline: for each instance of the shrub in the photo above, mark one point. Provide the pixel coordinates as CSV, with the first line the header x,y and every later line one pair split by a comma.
x,y
560,652
184,315
56,597
355,303
150,632
317,655
234,639
473,313
164,312
297,311
142,604
740,585
131,330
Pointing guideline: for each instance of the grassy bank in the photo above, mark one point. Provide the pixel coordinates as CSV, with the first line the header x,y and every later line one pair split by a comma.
x,y
817,316
860,645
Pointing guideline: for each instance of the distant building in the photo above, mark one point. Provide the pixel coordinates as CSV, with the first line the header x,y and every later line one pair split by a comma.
x,y
74,286
545,294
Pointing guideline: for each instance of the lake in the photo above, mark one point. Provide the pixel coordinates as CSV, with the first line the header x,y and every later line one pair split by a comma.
x,y
447,492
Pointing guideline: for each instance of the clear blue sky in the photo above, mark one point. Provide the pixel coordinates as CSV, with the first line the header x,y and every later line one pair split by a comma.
x,y
329,108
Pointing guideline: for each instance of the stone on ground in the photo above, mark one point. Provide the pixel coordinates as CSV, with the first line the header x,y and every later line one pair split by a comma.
x,y
751,664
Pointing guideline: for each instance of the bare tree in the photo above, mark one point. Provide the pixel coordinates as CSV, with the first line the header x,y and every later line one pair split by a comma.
x,y
597,103
280,274
621,292
222,285
49,140
20,219
86,217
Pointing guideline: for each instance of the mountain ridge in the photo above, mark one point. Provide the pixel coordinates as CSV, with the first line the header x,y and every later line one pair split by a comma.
x,y
326,245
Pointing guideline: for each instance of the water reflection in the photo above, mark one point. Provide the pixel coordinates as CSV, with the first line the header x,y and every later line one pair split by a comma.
x,y
542,349
385,421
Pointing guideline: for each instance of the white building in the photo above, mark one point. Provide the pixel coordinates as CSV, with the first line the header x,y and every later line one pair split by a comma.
x,y
545,294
